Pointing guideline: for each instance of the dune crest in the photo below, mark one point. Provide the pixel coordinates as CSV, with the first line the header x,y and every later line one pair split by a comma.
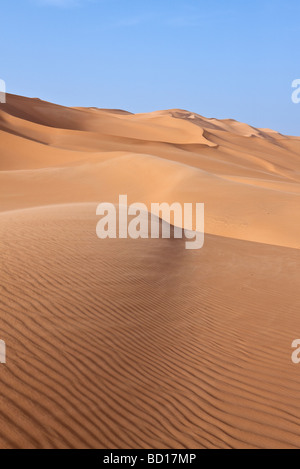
x,y
249,178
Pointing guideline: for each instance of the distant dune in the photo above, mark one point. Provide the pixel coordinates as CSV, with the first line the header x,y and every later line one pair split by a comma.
x,y
142,344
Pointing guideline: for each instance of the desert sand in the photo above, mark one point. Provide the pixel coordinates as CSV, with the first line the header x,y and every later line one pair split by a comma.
x,y
140,343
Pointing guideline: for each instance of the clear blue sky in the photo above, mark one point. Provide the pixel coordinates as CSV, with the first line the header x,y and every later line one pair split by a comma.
x,y
219,58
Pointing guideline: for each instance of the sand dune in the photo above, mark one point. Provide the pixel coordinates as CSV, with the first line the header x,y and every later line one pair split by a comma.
x,y
142,344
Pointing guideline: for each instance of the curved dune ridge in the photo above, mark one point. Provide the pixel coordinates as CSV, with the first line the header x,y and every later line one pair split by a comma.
x,y
248,178
141,343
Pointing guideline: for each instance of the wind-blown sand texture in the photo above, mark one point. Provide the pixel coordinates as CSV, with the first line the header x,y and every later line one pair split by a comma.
x,y
141,343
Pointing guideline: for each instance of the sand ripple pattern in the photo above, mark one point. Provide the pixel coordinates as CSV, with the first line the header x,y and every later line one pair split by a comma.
x,y
142,344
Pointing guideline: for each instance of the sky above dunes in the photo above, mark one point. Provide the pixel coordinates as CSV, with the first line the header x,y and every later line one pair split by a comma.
x,y
220,59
